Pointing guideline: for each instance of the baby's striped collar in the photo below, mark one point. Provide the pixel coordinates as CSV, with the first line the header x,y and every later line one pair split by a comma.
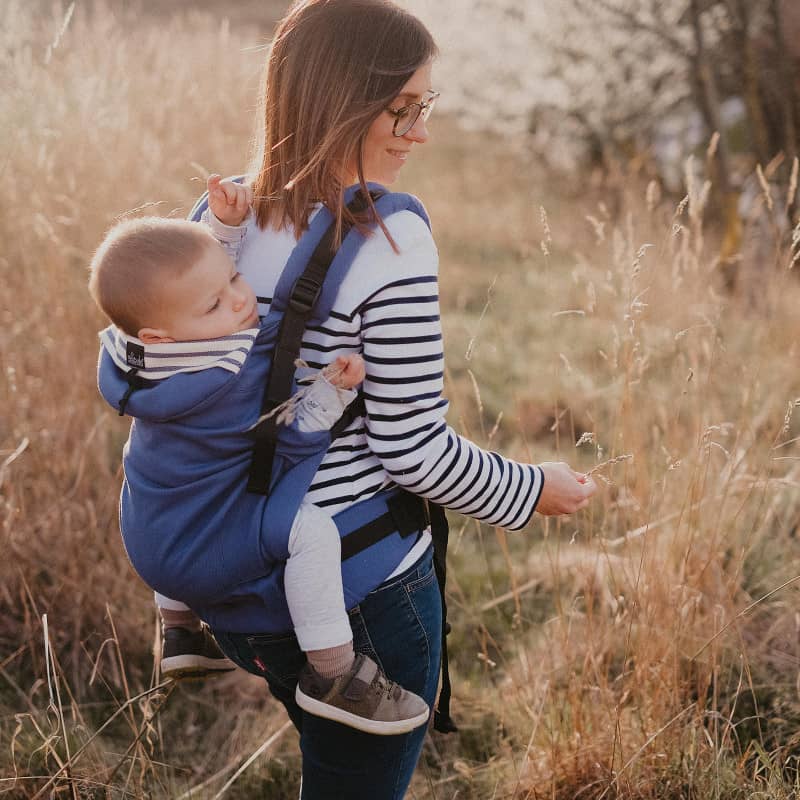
x,y
157,361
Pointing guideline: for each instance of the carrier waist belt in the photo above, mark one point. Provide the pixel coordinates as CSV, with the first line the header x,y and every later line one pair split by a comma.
x,y
407,515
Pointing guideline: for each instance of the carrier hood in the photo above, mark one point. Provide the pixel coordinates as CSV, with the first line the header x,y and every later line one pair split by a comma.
x,y
154,382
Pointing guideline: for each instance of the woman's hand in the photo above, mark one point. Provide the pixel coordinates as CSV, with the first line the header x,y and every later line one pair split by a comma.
x,y
565,491
229,201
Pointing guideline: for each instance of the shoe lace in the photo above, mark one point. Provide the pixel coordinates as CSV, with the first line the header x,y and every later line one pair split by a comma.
x,y
388,687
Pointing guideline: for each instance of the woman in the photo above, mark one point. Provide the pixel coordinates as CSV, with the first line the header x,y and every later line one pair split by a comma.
x,y
348,94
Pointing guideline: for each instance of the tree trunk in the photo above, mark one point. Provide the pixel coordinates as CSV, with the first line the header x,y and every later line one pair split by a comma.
x,y
728,197
745,41
708,99
788,59
787,70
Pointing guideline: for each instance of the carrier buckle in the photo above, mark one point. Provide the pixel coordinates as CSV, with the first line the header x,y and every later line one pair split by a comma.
x,y
408,513
305,293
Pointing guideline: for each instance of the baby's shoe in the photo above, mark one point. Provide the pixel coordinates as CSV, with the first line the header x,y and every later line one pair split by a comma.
x,y
363,698
192,654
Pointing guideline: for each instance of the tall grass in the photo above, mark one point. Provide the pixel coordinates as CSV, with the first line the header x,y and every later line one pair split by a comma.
x,y
647,648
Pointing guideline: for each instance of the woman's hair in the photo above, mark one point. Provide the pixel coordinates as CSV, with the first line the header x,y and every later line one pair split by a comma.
x,y
136,257
334,67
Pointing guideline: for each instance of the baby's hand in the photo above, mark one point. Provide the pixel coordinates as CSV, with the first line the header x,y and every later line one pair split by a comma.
x,y
351,371
229,201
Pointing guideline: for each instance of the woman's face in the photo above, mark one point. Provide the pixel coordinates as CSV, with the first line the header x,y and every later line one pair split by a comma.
x,y
385,153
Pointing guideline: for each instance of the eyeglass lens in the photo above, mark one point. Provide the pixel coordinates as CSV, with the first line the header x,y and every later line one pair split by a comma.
x,y
405,123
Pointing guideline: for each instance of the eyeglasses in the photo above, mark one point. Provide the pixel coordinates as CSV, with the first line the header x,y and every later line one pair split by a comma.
x,y
406,117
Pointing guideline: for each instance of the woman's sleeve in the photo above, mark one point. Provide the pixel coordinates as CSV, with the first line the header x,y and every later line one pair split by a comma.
x,y
406,428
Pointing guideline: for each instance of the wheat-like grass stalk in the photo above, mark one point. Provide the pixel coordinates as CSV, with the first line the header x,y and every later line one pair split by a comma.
x,y
610,462
765,187
791,191
285,412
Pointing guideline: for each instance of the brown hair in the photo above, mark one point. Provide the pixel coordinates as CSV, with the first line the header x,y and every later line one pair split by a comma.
x,y
335,66
132,261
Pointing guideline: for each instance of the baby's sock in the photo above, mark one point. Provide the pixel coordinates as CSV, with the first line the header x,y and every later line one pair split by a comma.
x,y
331,662
184,618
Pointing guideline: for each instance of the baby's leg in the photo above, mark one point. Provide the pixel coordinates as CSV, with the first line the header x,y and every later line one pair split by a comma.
x,y
337,684
313,583
175,614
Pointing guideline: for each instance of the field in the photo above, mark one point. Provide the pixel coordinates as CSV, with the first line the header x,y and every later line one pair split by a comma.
x,y
648,648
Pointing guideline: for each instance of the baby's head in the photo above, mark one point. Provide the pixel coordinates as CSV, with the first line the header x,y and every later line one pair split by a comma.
x,y
169,280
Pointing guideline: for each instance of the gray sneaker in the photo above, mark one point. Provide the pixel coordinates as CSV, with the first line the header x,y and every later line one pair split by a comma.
x,y
364,698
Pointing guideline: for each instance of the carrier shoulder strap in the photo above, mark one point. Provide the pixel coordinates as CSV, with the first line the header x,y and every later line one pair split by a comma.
x,y
301,302
297,294
305,293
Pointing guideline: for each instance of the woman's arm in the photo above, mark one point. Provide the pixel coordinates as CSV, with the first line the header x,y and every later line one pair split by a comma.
x,y
406,428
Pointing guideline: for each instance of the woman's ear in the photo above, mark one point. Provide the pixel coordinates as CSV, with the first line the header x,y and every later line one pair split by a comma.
x,y
153,336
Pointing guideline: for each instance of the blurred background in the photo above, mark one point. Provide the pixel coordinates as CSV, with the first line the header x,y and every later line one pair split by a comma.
x,y
618,84
613,190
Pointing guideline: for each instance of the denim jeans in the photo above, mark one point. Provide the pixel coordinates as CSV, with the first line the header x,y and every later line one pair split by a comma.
x,y
399,626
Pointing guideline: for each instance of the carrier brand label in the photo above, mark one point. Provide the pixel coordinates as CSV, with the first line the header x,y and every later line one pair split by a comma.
x,y
134,355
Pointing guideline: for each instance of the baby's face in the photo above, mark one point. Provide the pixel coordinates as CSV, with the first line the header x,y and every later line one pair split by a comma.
x,y
209,300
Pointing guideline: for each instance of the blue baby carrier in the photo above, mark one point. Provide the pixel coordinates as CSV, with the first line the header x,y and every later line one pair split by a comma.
x,y
305,294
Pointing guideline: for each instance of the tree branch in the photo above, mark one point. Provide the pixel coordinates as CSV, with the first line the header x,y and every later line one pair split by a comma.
x,y
635,23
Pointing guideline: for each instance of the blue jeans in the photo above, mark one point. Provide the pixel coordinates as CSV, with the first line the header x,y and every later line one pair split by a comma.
x,y
399,626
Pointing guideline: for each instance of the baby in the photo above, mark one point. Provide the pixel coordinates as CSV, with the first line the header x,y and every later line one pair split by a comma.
x,y
178,306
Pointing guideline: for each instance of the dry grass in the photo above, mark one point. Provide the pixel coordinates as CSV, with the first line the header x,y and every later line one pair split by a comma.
x,y
646,649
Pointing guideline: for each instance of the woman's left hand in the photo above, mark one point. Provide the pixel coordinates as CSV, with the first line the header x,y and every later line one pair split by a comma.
x,y
565,491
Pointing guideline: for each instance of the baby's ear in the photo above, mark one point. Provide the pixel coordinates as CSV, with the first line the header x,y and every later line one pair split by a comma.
x,y
153,336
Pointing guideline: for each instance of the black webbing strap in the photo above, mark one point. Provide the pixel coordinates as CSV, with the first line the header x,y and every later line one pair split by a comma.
x,y
406,515
134,383
355,410
440,532
304,295
409,514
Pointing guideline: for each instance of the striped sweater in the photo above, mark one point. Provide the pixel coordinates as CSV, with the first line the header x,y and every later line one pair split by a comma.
x,y
388,310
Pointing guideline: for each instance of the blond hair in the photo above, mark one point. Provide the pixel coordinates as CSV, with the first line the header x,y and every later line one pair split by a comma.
x,y
129,268
334,67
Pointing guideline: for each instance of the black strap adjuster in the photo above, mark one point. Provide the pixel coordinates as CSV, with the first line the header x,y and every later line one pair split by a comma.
x,y
410,513
305,293
405,515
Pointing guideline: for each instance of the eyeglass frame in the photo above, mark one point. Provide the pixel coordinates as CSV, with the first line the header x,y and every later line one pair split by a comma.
x,y
423,106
